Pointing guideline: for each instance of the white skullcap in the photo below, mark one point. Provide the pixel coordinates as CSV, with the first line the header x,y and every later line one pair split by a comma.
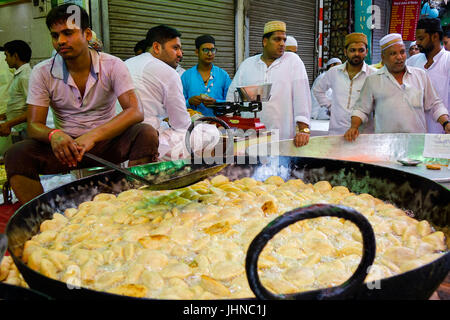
x,y
390,40
291,42
412,44
333,60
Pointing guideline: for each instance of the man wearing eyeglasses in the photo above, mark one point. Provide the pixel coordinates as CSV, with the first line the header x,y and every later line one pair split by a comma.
x,y
81,86
205,83
161,92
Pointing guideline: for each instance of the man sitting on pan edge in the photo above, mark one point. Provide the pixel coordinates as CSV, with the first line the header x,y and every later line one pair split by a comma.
x,y
81,86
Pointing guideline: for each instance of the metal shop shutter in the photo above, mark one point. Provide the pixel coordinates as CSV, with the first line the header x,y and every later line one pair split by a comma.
x,y
129,22
378,33
300,19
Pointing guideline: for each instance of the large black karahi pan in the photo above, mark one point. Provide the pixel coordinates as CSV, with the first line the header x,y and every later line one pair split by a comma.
x,y
426,199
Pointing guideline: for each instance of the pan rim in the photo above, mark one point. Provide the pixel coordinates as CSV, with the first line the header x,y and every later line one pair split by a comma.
x,y
442,259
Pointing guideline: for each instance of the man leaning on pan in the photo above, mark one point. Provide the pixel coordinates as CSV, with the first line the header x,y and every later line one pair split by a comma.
x,y
399,95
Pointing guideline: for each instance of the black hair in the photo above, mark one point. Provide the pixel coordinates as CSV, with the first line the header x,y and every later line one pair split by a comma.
x,y
348,45
206,38
2,49
431,25
20,47
141,45
268,35
63,12
447,34
161,34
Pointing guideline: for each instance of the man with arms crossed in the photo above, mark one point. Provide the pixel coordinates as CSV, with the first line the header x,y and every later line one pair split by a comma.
x,y
398,94
81,86
346,81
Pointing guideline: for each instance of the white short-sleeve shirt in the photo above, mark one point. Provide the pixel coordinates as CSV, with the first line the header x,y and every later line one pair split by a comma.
x,y
52,85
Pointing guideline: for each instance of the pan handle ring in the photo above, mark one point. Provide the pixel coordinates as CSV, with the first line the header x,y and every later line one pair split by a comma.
x,y
187,140
343,291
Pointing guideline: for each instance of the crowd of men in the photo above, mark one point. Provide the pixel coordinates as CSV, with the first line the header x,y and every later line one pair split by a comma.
x,y
139,110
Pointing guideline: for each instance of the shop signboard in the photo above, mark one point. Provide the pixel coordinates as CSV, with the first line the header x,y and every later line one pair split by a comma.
x,y
404,17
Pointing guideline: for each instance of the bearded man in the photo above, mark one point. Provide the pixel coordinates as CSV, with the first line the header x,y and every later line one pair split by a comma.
x,y
346,81
435,60
398,95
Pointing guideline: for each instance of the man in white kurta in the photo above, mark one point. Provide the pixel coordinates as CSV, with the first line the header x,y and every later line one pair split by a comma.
x,y
398,94
435,60
289,107
322,112
346,81
161,94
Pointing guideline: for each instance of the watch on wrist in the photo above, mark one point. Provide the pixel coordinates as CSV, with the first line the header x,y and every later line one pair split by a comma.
x,y
304,130
445,124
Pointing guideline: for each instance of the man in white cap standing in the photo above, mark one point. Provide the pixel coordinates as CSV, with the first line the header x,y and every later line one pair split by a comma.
x,y
398,94
291,44
435,60
319,112
413,49
289,107
346,82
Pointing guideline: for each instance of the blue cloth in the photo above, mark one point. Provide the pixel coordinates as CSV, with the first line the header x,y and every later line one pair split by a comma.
x,y
217,87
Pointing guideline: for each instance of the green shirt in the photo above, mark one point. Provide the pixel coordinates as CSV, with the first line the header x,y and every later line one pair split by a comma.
x,y
18,91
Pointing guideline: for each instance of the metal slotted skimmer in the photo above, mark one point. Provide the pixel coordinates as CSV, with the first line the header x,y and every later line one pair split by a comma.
x,y
174,174
165,175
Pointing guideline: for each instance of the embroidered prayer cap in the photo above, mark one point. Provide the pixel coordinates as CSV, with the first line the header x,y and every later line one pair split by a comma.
x,y
333,60
206,38
389,40
355,37
412,44
291,42
273,26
